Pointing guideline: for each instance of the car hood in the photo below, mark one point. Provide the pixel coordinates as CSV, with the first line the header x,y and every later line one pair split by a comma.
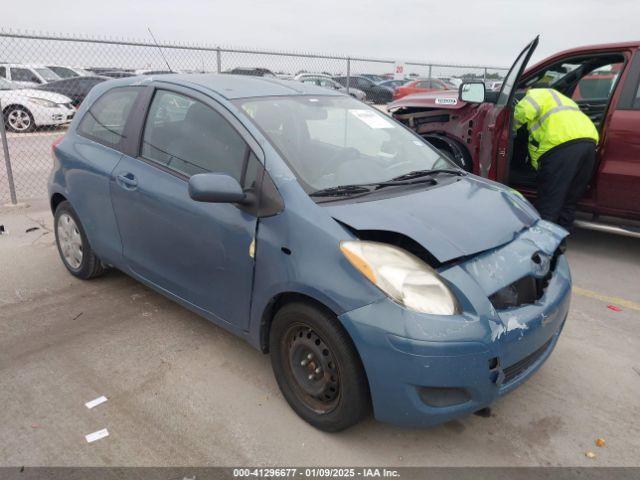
x,y
447,99
450,221
33,92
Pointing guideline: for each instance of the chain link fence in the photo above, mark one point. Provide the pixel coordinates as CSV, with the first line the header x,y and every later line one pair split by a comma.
x,y
43,79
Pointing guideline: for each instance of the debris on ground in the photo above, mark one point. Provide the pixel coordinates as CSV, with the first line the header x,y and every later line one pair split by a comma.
x,y
77,316
600,442
2,230
590,455
614,308
31,229
92,437
95,402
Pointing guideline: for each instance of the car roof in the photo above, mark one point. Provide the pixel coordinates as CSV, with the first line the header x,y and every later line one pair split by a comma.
x,y
238,86
25,65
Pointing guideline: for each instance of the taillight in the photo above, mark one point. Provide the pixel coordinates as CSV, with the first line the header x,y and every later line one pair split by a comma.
x,y
54,145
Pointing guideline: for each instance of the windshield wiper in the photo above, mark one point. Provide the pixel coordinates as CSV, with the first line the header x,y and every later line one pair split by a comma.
x,y
397,181
428,173
342,190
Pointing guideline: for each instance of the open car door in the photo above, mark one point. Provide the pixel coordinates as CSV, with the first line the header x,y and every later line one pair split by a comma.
x,y
497,135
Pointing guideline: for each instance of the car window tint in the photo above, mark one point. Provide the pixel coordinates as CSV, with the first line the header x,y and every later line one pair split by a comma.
x,y
105,120
3,72
189,137
636,102
63,72
23,75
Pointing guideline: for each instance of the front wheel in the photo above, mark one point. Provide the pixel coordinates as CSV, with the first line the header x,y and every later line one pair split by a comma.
x,y
317,368
18,119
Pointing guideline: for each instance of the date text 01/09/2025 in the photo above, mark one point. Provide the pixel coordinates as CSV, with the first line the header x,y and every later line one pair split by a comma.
x,y
315,472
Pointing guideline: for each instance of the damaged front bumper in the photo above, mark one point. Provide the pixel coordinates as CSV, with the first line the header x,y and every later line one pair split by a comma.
x,y
428,369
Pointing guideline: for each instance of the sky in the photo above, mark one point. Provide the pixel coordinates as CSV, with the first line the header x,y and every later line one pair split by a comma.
x,y
484,32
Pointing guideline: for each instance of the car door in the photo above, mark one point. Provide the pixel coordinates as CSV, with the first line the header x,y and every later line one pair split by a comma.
x,y
497,138
618,178
89,154
200,253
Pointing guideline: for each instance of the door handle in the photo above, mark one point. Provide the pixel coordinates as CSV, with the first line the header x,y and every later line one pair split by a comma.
x,y
127,180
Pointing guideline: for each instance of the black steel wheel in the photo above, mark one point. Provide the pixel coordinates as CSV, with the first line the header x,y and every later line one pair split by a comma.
x,y
317,367
311,368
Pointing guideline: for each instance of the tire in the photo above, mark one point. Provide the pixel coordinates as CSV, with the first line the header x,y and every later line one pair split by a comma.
x,y
73,247
337,396
18,119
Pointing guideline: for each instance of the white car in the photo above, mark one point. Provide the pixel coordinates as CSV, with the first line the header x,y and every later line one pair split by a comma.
x,y
27,75
69,72
326,81
24,109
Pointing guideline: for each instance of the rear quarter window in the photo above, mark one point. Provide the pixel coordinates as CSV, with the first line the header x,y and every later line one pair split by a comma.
x,y
105,120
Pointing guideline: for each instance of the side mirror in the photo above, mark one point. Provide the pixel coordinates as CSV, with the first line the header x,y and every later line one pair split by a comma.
x,y
215,188
472,92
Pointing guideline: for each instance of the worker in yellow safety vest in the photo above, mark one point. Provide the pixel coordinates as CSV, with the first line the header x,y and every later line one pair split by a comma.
x,y
562,148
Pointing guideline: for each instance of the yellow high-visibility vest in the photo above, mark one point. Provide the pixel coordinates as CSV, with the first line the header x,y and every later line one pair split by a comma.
x,y
552,119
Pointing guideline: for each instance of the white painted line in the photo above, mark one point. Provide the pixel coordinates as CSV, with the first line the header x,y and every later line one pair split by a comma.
x,y
92,437
95,402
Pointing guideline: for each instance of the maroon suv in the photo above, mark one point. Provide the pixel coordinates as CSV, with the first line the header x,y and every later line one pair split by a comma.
x,y
604,80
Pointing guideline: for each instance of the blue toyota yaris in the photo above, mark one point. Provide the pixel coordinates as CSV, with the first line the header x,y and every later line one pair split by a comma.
x,y
376,273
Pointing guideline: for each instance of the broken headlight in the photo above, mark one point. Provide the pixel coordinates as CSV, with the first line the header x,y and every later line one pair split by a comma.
x,y
402,276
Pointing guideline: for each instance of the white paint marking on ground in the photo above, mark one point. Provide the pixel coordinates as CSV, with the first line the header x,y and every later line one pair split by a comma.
x,y
95,402
92,437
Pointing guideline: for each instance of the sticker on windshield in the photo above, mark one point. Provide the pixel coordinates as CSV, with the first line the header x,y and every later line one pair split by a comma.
x,y
372,119
447,101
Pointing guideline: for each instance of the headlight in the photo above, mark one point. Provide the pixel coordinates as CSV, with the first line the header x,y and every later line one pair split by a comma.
x,y
43,102
402,276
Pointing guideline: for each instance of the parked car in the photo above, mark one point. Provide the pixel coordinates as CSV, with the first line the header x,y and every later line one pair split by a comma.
x,y
319,230
328,82
420,85
254,72
116,73
101,70
24,109
374,78
494,86
76,88
27,75
68,72
392,83
375,93
454,81
481,138
146,71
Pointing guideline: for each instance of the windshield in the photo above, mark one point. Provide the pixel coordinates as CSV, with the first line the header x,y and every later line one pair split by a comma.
x,y
334,141
48,74
7,85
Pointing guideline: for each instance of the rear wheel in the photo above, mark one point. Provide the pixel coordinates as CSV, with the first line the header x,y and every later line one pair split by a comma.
x,y
74,249
317,368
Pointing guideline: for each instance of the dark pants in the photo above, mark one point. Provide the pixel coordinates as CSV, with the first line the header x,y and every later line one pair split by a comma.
x,y
565,172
